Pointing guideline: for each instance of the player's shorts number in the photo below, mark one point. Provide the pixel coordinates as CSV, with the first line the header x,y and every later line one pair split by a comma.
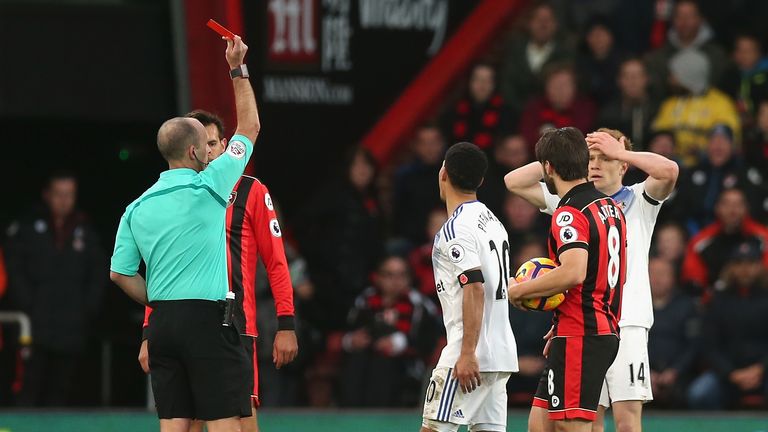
x,y
614,261
431,391
640,373
551,382
505,270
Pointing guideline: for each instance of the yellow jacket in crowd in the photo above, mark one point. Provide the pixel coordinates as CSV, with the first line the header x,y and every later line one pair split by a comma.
x,y
692,117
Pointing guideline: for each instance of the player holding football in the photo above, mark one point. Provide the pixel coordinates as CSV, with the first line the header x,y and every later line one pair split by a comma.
x,y
627,384
252,232
588,240
471,262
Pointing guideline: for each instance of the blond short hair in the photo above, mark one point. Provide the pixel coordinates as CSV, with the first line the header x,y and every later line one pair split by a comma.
x,y
618,135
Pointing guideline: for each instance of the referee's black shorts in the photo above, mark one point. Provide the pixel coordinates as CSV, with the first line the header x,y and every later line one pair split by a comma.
x,y
197,365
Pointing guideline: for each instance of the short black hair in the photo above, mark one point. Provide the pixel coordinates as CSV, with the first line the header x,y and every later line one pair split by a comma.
x,y
207,118
466,165
566,150
60,174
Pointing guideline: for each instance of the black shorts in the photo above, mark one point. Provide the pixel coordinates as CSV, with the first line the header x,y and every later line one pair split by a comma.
x,y
197,365
252,378
571,383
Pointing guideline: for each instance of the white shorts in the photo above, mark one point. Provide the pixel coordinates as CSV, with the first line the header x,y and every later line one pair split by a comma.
x,y
629,377
446,407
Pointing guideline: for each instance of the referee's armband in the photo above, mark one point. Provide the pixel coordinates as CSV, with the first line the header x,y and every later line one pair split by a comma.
x,y
471,276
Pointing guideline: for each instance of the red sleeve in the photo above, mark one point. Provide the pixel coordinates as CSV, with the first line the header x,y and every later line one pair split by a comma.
x,y
694,269
270,248
570,229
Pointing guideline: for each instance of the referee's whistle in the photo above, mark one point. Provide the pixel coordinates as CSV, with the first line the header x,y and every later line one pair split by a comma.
x,y
229,309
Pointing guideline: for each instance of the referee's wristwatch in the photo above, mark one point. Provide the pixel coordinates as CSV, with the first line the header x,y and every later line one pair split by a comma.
x,y
240,71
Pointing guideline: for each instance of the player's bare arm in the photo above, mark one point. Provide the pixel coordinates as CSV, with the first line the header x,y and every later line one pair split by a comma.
x,y
571,272
245,101
135,286
662,172
524,182
467,369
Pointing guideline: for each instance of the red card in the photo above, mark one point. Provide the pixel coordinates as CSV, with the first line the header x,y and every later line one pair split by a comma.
x,y
220,29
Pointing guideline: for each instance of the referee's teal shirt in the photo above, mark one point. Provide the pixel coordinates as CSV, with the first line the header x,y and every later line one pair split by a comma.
x,y
178,228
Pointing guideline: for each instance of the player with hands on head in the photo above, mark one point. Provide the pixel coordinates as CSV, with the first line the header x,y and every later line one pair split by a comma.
x,y
588,241
610,155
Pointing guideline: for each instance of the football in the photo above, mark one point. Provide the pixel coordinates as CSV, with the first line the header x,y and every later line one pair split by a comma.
x,y
532,269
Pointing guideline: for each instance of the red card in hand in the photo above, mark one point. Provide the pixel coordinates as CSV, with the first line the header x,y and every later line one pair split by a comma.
x,y
220,29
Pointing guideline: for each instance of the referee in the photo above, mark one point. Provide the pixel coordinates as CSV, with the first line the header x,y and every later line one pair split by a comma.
x,y
177,228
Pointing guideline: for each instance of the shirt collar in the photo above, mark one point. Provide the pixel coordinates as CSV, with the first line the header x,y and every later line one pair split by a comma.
x,y
177,172
574,190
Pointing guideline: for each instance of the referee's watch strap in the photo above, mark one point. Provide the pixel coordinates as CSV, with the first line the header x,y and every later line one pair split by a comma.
x,y
239,72
286,322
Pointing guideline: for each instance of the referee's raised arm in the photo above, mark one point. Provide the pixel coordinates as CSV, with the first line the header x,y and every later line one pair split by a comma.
x,y
222,174
178,228
248,123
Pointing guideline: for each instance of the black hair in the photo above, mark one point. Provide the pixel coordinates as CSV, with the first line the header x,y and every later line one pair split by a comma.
x,y
566,150
751,35
208,118
60,174
466,165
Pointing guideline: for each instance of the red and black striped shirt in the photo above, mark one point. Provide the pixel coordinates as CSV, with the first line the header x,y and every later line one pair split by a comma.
x,y
252,232
588,219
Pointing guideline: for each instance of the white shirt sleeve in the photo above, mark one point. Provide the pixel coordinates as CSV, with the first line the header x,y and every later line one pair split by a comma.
x,y
462,249
649,206
550,199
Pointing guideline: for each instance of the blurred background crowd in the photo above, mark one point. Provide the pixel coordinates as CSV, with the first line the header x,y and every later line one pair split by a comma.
x,y
678,78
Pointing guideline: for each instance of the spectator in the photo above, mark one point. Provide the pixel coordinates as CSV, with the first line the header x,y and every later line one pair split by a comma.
x,y
746,80
392,327
340,236
510,152
522,219
529,327
416,192
560,106
661,142
734,335
598,60
481,115
56,275
702,184
420,258
526,57
669,244
532,246
673,340
284,383
632,111
756,140
695,108
708,251
689,32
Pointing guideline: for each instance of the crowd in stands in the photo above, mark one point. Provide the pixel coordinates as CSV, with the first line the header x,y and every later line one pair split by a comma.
x,y
360,252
